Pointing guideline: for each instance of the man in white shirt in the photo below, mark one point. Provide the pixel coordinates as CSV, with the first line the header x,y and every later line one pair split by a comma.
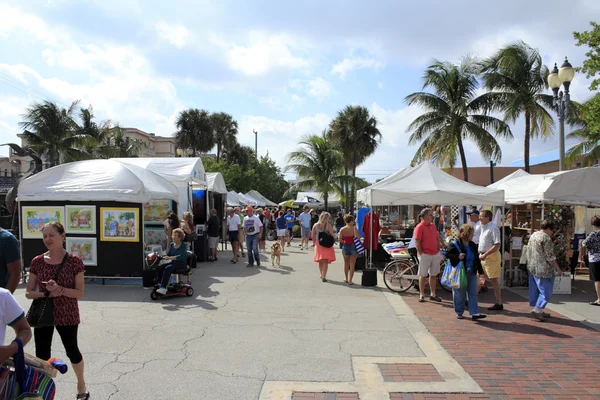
x,y
11,314
233,229
475,223
253,229
305,227
489,254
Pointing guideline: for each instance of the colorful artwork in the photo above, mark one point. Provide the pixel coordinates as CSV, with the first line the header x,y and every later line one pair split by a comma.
x,y
155,212
84,248
119,224
34,218
80,219
155,236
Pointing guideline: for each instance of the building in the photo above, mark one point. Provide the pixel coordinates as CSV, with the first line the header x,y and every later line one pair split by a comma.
x,y
8,175
152,145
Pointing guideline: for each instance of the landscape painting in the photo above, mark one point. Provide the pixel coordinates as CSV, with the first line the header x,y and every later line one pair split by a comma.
x,y
155,236
80,219
119,224
35,217
84,248
155,211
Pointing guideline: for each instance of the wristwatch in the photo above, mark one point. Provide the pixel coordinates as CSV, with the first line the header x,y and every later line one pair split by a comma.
x,y
46,293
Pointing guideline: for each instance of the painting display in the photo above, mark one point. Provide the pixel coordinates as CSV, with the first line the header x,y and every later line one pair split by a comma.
x,y
80,219
34,218
199,205
154,236
155,211
84,248
119,224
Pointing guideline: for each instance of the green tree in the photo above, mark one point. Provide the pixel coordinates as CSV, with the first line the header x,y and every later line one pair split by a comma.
x,y
452,116
225,130
356,134
194,131
51,132
589,139
241,155
117,145
517,78
319,165
591,66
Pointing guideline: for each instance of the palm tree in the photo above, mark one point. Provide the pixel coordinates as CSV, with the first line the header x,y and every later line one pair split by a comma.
x,y
451,117
194,130
51,131
589,141
319,164
242,155
518,78
94,136
120,146
225,130
355,132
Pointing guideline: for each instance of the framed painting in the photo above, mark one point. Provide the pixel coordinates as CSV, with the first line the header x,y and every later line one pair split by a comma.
x,y
80,219
35,217
155,211
84,248
119,224
154,236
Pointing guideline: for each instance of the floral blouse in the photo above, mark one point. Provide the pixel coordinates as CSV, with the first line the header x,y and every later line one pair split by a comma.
x,y
540,255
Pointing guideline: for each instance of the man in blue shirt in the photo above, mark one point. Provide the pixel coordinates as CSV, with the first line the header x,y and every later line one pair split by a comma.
x,y
290,218
305,227
10,261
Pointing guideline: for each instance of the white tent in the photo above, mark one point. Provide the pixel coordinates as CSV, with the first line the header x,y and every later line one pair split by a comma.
x,y
517,174
573,187
215,182
97,180
234,200
183,172
258,196
251,201
427,184
333,200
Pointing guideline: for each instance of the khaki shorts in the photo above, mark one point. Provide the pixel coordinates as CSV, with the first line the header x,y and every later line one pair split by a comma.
x,y
429,264
492,265
213,242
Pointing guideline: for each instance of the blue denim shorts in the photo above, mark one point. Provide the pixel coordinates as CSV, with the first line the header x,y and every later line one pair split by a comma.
x,y
349,250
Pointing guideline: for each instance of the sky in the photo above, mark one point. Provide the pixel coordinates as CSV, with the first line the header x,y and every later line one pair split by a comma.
x,y
283,69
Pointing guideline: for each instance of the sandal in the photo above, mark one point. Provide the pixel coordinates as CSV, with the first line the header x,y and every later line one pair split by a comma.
x,y
83,396
421,299
594,303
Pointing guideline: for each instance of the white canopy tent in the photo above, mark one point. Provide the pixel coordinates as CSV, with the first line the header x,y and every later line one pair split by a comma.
x,y
251,201
97,180
517,174
216,183
183,172
234,200
427,184
333,199
573,187
258,196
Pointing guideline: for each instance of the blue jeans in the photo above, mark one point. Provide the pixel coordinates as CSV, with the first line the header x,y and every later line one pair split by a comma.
x,y
460,296
252,247
540,291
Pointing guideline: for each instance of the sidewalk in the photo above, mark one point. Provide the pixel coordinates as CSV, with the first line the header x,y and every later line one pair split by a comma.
x,y
510,355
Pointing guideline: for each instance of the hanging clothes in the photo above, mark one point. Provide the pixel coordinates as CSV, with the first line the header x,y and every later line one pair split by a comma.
x,y
371,241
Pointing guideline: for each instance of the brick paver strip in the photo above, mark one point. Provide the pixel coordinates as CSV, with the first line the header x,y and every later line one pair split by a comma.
x,y
324,396
512,356
409,373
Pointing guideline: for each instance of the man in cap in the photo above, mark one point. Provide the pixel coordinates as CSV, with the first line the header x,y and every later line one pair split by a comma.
x,y
475,223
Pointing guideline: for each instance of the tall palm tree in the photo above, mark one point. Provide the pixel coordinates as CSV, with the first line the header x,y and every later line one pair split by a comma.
x,y
452,117
94,136
589,140
355,132
117,145
517,78
318,162
194,130
225,130
51,131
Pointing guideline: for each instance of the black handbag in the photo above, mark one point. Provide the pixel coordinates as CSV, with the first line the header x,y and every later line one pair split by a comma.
x,y
325,239
41,312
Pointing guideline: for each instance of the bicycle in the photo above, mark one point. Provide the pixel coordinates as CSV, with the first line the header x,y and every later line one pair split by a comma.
x,y
399,275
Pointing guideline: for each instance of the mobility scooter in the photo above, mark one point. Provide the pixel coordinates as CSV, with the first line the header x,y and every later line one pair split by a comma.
x,y
175,287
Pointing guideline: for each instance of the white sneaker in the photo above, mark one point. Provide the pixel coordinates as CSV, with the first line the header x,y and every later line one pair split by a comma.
x,y
161,290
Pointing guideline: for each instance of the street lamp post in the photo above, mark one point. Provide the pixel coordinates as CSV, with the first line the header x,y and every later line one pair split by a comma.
x,y
255,142
492,165
558,77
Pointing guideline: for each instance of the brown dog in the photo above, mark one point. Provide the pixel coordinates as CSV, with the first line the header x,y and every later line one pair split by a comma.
x,y
276,254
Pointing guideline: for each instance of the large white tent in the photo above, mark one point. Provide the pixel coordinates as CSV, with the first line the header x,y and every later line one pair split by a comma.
x,y
215,182
234,200
255,194
573,187
97,180
427,184
183,172
251,201
333,200
517,174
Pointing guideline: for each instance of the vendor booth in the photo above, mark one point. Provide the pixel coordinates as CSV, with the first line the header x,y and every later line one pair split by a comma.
x,y
251,201
233,200
101,205
256,195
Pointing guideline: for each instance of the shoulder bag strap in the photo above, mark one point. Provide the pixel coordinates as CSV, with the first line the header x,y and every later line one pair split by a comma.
x,y
62,264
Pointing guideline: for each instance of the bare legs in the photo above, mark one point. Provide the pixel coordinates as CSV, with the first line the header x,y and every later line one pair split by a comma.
x,y
432,285
282,241
323,267
78,368
349,264
235,249
597,286
346,267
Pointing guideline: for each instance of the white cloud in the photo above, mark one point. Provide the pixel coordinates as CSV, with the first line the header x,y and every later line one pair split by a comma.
x,y
176,34
347,65
319,88
13,19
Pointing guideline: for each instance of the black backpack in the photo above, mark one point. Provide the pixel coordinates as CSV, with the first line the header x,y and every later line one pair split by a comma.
x,y
325,239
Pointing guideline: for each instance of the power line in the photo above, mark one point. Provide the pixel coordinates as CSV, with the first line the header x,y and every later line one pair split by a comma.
x,y
10,81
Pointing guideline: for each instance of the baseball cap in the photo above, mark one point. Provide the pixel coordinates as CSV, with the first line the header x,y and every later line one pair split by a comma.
x,y
473,211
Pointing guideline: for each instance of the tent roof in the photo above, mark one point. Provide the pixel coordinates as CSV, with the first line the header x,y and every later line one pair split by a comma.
x,y
250,200
215,182
573,187
97,180
427,184
174,169
332,199
517,174
233,199
259,196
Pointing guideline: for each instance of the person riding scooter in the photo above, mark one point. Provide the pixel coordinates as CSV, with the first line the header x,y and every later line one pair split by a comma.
x,y
177,253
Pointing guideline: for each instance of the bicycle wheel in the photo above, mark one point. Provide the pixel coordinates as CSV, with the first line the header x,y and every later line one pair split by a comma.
x,y
399,276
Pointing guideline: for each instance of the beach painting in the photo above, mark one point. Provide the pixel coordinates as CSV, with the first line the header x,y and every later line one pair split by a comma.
x,y
119,224
84,248
155,211
35,217
80,219
155,236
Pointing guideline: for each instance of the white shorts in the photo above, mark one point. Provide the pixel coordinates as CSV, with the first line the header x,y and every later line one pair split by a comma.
x,y
430,264
213,242
282,232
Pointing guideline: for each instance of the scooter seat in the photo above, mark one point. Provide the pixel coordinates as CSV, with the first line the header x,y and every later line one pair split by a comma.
x,y
181,270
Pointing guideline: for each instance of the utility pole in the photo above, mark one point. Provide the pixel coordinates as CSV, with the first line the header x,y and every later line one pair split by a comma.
x,y
492,165
255,143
